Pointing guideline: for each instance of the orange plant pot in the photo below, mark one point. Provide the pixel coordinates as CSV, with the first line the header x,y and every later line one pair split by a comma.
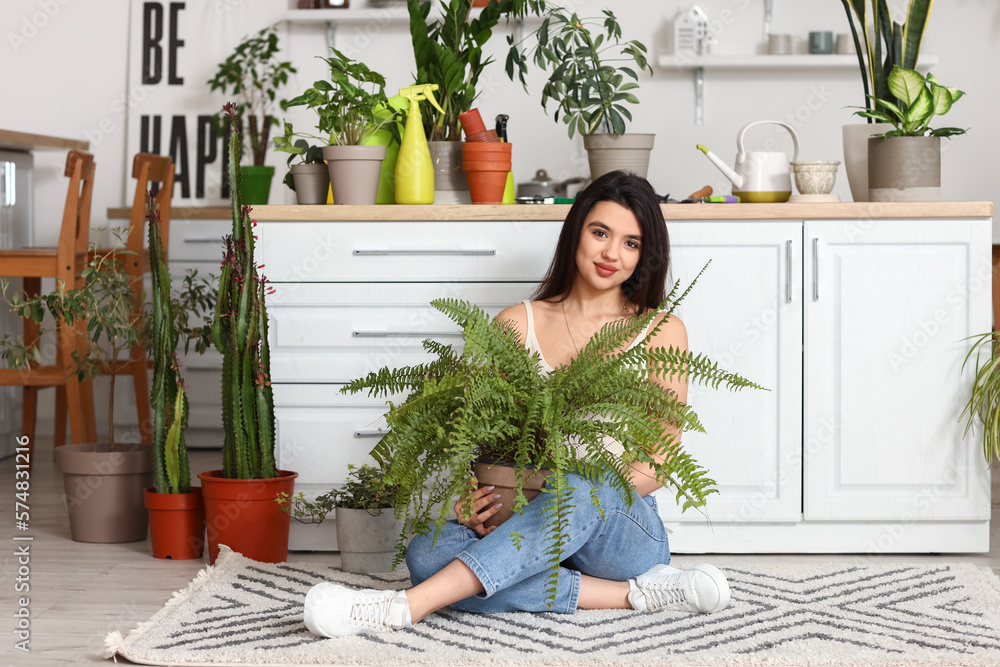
x,y
176,524
472,122
243,515
486,187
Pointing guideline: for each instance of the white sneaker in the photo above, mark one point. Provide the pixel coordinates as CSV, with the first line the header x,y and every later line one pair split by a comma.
x,y
332,610
702,588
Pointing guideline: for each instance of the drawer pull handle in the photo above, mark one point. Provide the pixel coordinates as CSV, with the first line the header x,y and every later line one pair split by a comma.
x,y
424,253
373,433
203,239
404,334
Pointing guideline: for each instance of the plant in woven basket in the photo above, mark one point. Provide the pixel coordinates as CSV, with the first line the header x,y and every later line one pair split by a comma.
x,y
239,332
493,398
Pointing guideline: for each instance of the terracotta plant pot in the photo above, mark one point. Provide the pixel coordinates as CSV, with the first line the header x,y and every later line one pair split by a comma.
x,y
503,477
312,182
354,172
450,186
104,490
904,169
610,152
176,524
242,514
367,542
486,167
256,184
471,122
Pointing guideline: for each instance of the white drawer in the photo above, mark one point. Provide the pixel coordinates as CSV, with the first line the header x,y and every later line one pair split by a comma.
x,y
197,240
319,431
321,332
392,251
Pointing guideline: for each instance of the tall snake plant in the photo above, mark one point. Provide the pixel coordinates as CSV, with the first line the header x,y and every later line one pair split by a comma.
x,y
492,399
171,473
239,332
887,44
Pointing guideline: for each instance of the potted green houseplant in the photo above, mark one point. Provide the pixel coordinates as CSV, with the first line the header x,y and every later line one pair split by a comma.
x,y
904,163
352,109
587,85
366,530
239,499
308,178
984,402
253,73
492,400
96,476
176,509
448,51
881,45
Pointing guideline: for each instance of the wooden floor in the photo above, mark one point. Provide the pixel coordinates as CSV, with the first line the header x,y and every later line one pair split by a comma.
x,y
80,592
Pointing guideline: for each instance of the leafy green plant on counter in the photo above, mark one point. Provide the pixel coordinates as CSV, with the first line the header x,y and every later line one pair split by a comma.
x,y
587,85
984,402
917,100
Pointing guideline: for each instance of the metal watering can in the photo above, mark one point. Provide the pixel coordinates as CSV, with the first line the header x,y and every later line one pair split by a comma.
x,y
759,176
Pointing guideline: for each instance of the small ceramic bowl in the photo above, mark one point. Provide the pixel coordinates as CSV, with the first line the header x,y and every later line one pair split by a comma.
x,y
815,178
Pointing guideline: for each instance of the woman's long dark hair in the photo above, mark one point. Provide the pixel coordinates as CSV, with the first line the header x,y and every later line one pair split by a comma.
x,y
645,287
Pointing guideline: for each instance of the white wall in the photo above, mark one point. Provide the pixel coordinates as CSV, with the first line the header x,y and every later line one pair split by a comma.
x,y
65,73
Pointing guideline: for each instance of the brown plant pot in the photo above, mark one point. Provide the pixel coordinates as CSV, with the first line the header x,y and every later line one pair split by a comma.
x,y
243,515
176,524
104,490
486,167
471,122
312,182
503,478
354,172
904,169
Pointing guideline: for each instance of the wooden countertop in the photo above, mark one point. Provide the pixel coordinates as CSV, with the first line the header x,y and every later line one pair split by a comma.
x,y
24,141
837,211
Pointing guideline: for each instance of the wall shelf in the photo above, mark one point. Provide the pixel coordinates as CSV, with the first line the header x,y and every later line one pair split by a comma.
x,y
806,61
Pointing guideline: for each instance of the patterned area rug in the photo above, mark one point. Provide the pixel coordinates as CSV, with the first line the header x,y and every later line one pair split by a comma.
x,y
241,612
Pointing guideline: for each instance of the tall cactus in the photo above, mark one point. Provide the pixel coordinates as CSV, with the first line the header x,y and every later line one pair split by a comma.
x,y
239,332
171,473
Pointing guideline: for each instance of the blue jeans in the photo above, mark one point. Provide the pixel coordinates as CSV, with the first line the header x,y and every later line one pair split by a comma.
x,y
623,544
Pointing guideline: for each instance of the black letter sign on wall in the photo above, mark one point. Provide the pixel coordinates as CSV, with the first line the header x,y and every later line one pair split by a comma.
x,y
152,52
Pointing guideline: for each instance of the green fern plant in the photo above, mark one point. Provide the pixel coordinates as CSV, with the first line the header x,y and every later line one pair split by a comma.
x,y
491,398
239,332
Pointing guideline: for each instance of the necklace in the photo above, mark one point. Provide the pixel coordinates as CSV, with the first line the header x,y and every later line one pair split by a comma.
x,y
625,311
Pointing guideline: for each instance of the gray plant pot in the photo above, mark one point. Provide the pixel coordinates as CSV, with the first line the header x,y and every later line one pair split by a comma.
x,y
354,172
367,542
904,169
312,182
450,186
104,490
610,152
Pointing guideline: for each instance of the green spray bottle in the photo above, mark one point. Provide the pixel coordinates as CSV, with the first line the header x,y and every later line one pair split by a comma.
x,y
414,169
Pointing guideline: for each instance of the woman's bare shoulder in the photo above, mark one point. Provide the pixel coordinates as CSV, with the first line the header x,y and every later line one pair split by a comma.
x,y
516,315
671,333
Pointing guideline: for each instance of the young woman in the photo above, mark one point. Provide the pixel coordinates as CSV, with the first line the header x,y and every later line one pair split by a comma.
x,y
611,262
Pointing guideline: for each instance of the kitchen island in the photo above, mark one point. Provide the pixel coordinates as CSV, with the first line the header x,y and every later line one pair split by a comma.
x,y
854,316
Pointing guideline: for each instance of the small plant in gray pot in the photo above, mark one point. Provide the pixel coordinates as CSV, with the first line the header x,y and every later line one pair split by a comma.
x,y
586,82
904,163
308,178
367,528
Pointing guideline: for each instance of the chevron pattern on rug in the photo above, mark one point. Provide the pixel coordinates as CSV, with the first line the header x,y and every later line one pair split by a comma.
x,y
241,612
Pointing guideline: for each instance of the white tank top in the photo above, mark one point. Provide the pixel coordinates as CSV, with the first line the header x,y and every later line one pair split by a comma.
x,y
611,445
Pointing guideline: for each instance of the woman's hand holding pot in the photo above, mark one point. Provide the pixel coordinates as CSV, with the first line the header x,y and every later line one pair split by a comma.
x,y
484,505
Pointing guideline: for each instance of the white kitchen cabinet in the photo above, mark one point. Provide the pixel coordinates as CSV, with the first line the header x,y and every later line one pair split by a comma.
x,y
889,309
855,324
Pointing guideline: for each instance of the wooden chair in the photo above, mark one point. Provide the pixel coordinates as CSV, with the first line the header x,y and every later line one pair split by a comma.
x,y
64,263
147,169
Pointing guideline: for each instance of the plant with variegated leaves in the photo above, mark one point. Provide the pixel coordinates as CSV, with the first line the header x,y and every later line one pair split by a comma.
x,y
917,100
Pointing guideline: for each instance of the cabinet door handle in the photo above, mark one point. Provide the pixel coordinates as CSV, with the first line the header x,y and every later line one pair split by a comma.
x,y
426,253
404,334
815,269
370,433
788,271
203,239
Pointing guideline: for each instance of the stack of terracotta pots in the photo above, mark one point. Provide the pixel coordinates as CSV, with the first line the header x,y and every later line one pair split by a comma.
x,y
486,160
